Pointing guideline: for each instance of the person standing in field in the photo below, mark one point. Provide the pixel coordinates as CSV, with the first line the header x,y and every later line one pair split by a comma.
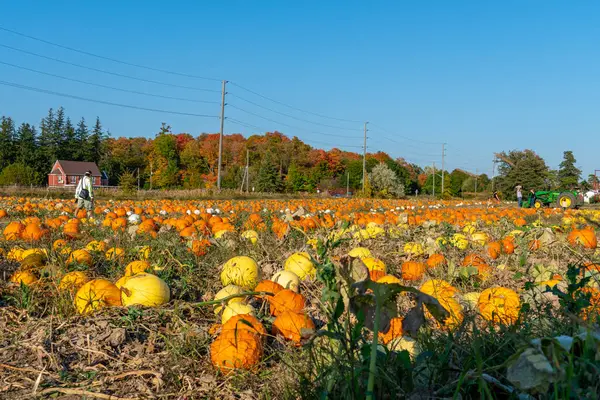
x,y
84,194
519,195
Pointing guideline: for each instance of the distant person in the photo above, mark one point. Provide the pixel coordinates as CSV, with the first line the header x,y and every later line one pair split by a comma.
x,y
532,198
496,197
84,194
519,195
417,192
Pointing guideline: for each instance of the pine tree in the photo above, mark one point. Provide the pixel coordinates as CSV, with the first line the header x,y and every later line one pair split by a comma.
x,y
7,142
268,176
68,148
58,133
81,140
26,146
568,173
47,152
95,147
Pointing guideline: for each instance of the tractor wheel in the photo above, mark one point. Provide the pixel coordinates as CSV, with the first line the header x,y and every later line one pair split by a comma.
x,y
538,204
566,200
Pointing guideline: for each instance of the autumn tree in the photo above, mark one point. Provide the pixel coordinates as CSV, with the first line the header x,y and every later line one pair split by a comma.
x,y
568,173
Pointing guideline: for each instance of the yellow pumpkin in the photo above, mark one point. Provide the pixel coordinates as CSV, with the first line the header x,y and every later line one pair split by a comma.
x,y
233,309
374,264
26,277
137,267
359,252
227,291
73,280
288,280
414,249
250,235
97,294
301,265
145,290
499,304
241,271
81,257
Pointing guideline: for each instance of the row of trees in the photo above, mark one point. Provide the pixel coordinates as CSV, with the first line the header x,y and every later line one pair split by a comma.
x,y
528,169
276,162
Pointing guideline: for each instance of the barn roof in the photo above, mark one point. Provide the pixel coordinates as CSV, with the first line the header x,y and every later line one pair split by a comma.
x,y
78,167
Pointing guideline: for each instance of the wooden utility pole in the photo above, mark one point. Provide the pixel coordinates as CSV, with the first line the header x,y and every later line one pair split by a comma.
x,y
364,172
246,177
443,166
434,179
221,134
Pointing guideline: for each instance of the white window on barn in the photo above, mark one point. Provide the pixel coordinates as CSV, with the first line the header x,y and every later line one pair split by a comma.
x,y
60,179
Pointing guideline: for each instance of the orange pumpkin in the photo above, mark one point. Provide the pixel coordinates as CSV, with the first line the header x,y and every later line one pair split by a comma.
x,y
494,249
394,331
13,230
413,270
244,322
269,287
286,300
233,350
583,237
293,326
436,260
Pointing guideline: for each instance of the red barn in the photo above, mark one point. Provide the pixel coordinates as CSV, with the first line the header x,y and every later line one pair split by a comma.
x,y
68,173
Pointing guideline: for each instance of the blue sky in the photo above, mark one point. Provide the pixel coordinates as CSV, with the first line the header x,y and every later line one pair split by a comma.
x,y
481,76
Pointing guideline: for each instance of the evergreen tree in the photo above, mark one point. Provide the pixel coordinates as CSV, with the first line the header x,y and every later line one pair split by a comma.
x,y
26,145
69,146
95,141
7,142
81,140
58,133
568,173
48,153
528,170
268,176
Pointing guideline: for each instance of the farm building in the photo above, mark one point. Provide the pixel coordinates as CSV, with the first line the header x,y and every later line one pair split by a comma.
x,y
68,173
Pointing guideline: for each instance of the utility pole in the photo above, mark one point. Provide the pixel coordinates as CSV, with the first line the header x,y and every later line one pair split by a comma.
x,y
348,184
443,165
434,179
493,175
221,134
138,179
364,172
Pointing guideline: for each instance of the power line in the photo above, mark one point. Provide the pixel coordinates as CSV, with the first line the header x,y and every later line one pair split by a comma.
x,y
405,137
291,116
292,107
378,138
291,126
108,87
34,89
108,58
107,72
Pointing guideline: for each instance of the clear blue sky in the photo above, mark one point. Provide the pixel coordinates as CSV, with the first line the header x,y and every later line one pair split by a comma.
x,y
481,76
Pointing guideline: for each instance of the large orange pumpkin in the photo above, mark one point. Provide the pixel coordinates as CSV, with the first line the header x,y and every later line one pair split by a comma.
x,y
244,322
583,237
233,349
293,326
286,300
13,230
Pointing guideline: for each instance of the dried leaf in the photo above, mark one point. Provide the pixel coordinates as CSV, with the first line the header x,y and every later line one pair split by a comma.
x,y
531,371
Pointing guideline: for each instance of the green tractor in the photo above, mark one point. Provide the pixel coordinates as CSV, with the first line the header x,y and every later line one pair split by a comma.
x,y
550,198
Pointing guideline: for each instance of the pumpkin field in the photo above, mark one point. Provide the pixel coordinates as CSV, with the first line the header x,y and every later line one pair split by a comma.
x,y
286,299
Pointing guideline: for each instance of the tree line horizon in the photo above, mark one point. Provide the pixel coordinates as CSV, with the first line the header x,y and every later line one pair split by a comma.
x,y
277,163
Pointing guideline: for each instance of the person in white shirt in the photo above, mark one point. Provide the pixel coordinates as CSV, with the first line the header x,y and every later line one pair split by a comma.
x,y
84,194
